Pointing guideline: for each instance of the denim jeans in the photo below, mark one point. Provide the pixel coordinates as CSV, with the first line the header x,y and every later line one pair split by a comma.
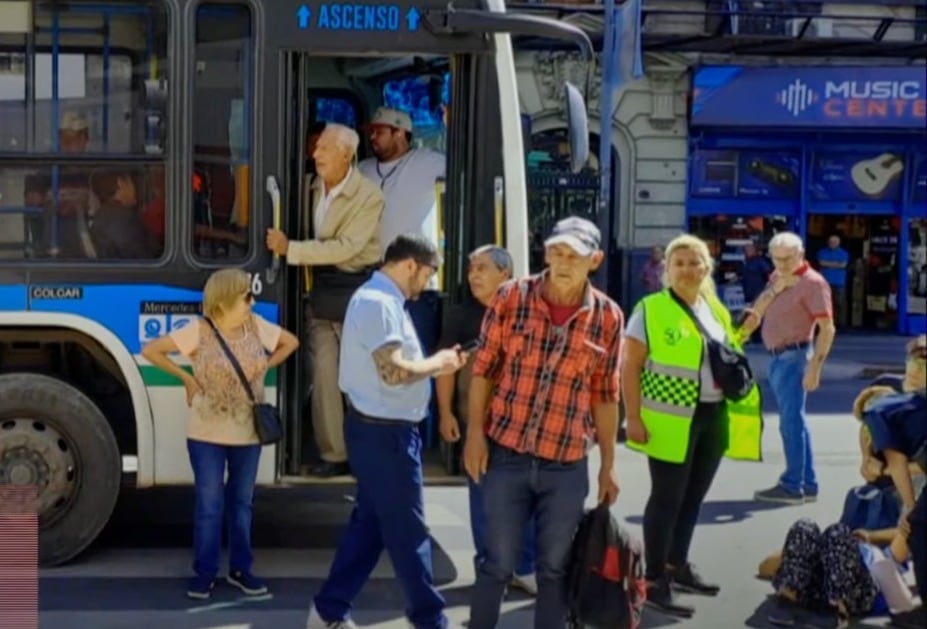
x,y
526,562
219,501
389,513
786,372
517,488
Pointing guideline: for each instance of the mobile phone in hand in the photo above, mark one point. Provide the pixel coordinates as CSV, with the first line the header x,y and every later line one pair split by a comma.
x,y
470,346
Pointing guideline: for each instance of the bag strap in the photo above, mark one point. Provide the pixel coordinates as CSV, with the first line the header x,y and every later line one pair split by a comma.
x,y
701,328
235,364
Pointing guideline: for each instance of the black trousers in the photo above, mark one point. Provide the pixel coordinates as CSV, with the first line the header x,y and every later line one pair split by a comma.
x,y
917,542
678,489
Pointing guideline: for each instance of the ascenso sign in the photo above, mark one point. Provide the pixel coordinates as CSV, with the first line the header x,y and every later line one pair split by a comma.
x,y
803,96
350,16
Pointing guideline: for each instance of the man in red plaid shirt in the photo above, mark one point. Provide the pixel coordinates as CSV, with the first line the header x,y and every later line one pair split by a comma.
x,y
545,387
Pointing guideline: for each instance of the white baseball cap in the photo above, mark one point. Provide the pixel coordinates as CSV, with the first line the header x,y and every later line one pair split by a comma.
x,y
391,118
73,121
579,234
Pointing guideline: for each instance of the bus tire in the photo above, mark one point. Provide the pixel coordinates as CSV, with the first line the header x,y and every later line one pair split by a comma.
x,y
54,437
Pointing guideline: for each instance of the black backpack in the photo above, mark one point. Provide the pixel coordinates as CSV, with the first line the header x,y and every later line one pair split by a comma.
x,y
605,580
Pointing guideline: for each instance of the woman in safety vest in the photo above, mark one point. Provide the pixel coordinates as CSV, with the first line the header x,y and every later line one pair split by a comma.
x,y
678,417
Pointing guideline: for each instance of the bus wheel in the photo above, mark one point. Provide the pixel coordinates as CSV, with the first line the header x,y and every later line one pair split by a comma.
x,y
54,439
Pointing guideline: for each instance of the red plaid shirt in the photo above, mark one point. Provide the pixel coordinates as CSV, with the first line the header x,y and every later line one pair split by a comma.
x,y
546,377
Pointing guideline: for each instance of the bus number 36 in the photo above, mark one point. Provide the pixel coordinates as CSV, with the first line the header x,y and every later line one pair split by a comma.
x,y
257,286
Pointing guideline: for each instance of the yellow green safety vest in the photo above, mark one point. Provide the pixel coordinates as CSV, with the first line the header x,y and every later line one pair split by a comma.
x,y
670,384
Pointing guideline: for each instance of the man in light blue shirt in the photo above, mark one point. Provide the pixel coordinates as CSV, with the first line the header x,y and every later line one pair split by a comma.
x,y
385,377
833,261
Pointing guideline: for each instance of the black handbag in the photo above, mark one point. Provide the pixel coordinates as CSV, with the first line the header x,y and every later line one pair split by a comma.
x,y
331,291
267,422
730,368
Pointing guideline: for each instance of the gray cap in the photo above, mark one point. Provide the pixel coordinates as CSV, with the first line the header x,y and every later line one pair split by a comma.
x,y
581,235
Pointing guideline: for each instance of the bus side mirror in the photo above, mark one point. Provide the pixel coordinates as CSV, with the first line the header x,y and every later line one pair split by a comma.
x,y
578,127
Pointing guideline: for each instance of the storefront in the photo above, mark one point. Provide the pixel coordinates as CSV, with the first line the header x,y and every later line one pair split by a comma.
x,y
821,151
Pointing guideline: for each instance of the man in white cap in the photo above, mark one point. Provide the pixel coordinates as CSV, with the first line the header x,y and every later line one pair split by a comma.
x,y
407,178
73,205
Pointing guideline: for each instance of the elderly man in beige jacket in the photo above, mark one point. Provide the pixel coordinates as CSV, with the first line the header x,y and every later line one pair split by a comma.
x,y
342,214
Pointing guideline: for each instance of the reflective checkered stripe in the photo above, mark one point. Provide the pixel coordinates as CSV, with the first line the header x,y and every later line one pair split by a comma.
x,y
670,383
662,389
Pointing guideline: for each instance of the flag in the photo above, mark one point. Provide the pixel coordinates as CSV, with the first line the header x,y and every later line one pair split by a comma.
x,y
627,59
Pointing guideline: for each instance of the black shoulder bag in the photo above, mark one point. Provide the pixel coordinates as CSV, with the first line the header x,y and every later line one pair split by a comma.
x,y
730,368
267,422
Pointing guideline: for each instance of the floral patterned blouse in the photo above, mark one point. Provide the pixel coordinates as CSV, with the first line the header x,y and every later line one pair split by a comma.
x,y
222,414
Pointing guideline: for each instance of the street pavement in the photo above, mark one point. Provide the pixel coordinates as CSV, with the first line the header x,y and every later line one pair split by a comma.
x,y
134,578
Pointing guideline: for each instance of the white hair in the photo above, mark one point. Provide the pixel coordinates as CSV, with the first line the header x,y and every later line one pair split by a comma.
x,y
787,240
345,136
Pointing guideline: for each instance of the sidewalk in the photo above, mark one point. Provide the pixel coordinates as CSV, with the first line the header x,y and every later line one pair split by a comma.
x,y
853,356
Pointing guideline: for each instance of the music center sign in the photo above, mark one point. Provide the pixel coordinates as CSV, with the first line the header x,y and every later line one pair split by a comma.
x,y
875,97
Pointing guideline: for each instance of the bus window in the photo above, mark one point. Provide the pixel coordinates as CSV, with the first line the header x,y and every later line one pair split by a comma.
x,y
79,93
335,109
222,141
424,97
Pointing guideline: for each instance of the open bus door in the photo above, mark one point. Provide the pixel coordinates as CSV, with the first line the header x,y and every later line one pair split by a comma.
x,y
360,48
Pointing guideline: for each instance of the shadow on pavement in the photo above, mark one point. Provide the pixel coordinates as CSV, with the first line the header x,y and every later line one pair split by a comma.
x,y
805,619
723,511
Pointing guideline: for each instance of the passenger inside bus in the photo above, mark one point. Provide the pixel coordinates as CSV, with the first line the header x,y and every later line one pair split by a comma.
x,y
74,203
117,230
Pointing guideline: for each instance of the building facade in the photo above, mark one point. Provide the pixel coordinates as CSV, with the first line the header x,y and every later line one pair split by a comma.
x,y
725,140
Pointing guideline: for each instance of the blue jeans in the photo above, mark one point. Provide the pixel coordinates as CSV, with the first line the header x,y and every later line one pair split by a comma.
x,y
517,488
389,513
218,501
786,372
526,564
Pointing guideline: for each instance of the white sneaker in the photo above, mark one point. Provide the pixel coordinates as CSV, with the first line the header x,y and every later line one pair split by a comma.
x,y
527,583
316,622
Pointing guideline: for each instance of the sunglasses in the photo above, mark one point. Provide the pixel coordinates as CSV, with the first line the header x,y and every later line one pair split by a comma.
x,y
918,352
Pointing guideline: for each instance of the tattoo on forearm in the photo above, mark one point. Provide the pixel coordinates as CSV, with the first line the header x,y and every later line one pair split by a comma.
x,y
390,372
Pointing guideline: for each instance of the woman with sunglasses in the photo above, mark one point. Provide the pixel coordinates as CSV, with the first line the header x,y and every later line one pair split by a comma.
x,y
220,433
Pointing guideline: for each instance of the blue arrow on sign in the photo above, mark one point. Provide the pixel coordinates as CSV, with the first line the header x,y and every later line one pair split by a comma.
x,y
303,15
413,17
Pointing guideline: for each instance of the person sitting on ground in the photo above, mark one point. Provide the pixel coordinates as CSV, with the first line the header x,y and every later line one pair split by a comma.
x,y
838,571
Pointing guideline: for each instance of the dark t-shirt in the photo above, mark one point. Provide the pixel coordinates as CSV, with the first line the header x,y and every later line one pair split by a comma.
x,y
463,323
903,429
118,233
889,380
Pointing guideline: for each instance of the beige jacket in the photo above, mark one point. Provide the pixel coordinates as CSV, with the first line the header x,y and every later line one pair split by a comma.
x,y
349,235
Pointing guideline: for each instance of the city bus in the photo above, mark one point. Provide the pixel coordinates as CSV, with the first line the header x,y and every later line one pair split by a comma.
x,y
145,144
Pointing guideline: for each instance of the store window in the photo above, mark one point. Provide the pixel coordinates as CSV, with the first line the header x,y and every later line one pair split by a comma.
x,y
222,139
917,266
739,246
745,174
857,176
87,104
